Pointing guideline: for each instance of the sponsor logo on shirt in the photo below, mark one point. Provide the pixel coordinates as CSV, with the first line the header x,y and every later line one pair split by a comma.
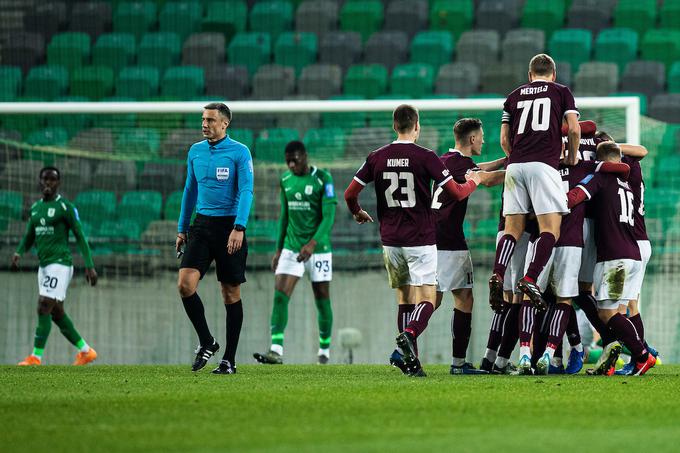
x,y
222,173
299,205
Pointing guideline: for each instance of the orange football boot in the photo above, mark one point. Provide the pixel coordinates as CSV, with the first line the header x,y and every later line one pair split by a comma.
x,y
83,358
30,360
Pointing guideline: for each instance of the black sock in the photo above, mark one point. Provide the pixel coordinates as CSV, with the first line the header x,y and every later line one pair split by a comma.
x,y
194,308
234,322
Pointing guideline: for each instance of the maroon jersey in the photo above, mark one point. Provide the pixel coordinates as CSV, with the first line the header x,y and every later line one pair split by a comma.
x,y
637,185
449,213
614,216
401,172
586,151
535,112
571,230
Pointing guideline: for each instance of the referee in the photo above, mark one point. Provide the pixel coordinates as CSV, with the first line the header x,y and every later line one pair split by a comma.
x,y
220,186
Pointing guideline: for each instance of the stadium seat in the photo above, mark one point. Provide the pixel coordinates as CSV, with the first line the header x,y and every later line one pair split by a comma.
x,y
387,48
227,82
432,47
228,21
596,79
73,123
316,16
325,144
11,83
92,82
119,121
115,50
183,18
159,50
97,139
639,15
618,45
70,50
46,82
407,16
21,175
24,50
122,236
76,175
340,48
159,232
273,81
140,143
244,136
452,15
11,206
176,143
366,139
674,78
546,16
564,73
571,45
116,176
142,207
271,16
93,18
184,82
296,50
593,15
250,50
204,50
647,77
173,205
414,80
661,45
138,82
344,120
499,15
134,17
666,107
46,18
670,15
364,17
51,136
96,206
270,144
519,46
162,177
503,77
368,81
460,79
478,46
320,80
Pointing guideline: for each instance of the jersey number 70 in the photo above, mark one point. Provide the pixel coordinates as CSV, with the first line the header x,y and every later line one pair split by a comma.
x,y
540,114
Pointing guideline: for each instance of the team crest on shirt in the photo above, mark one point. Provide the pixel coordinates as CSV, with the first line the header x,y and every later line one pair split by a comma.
x,y
298,196
308,190
222,173
42,221
50,212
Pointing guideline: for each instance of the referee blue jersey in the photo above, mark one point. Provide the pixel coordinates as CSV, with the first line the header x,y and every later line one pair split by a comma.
x,y
219,182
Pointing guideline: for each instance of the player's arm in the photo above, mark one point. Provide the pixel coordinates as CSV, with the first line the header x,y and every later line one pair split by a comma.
x,y
244,186
25,244
352,200
328,202
574,138
587,127
188,204
635,151
505,137
585,190
620,169
491,178
83,246
493,165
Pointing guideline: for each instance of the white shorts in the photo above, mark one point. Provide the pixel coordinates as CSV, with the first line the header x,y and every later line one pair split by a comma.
x,y
515,269
646,254
614,281
588,253
454,270
415,266
53,281
533,187
560,272
319,266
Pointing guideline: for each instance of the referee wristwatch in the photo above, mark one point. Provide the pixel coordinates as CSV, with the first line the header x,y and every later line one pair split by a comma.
x,y
238,227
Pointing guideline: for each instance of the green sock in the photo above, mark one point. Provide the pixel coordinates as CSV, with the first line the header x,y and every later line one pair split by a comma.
x,y
69,331
325,319
42,331
279,317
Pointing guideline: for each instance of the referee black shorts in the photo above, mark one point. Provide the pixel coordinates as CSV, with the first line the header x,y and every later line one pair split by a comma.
x,y
207,241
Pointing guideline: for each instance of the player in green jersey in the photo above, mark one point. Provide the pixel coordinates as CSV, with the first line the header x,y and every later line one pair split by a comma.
x,y
48,228
307,214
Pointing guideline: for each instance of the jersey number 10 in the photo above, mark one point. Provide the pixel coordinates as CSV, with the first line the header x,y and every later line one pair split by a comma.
x,y
626,215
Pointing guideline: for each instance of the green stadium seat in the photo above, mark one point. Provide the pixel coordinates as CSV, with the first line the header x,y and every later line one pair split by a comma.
x,y
296,50
134,17
639,15
546,16
641,96
160,50
251,50
93,82
142,143
572,46
244,136
184,82
617,45
364,17
142,207
46,82
272,16
432,47
670,14
96,206
72,123
70,50
344,120
11,206
115,50
10,87
226,20
455,16
138,82
162,122
183,18
368,81
674,78
414,80
271,143
325,144
122,236
24,124
173,205
661,45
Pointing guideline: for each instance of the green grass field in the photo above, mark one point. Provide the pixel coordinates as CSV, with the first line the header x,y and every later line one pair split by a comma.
x,y
332,408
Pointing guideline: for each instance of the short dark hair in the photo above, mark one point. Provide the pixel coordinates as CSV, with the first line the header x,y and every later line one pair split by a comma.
x,y
465,127
602,135
295,145
49,168
542,65
405,118
607,149
220,107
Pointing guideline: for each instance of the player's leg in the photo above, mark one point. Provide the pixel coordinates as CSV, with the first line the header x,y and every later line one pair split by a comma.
x,y
514,228
495,336
461,329
284,284
577,352
399,279
42,330
86,353
509,338
320,267
423,295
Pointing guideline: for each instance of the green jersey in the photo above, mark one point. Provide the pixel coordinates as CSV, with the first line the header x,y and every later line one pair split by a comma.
x,y
48,228
307,210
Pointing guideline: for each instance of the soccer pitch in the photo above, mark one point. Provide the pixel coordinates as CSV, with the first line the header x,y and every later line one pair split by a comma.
x,y
331,408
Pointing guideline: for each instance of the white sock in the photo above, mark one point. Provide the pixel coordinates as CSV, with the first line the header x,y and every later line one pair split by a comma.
x,y
326,352
524,351
277,348
491,355
578,347
457,361
550,351
501,362
85,348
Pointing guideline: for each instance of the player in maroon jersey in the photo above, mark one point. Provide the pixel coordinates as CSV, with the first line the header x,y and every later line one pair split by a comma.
x,y
618,258
531,137
401,172
454,263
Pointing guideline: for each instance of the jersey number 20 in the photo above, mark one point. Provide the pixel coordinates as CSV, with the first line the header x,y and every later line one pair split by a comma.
x,y
540,114
408,188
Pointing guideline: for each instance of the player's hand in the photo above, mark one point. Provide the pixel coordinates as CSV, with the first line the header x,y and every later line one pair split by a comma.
x,y
15,262
362,217
235,241
275,260
179,242
91,276
497,307
473,176
306,251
